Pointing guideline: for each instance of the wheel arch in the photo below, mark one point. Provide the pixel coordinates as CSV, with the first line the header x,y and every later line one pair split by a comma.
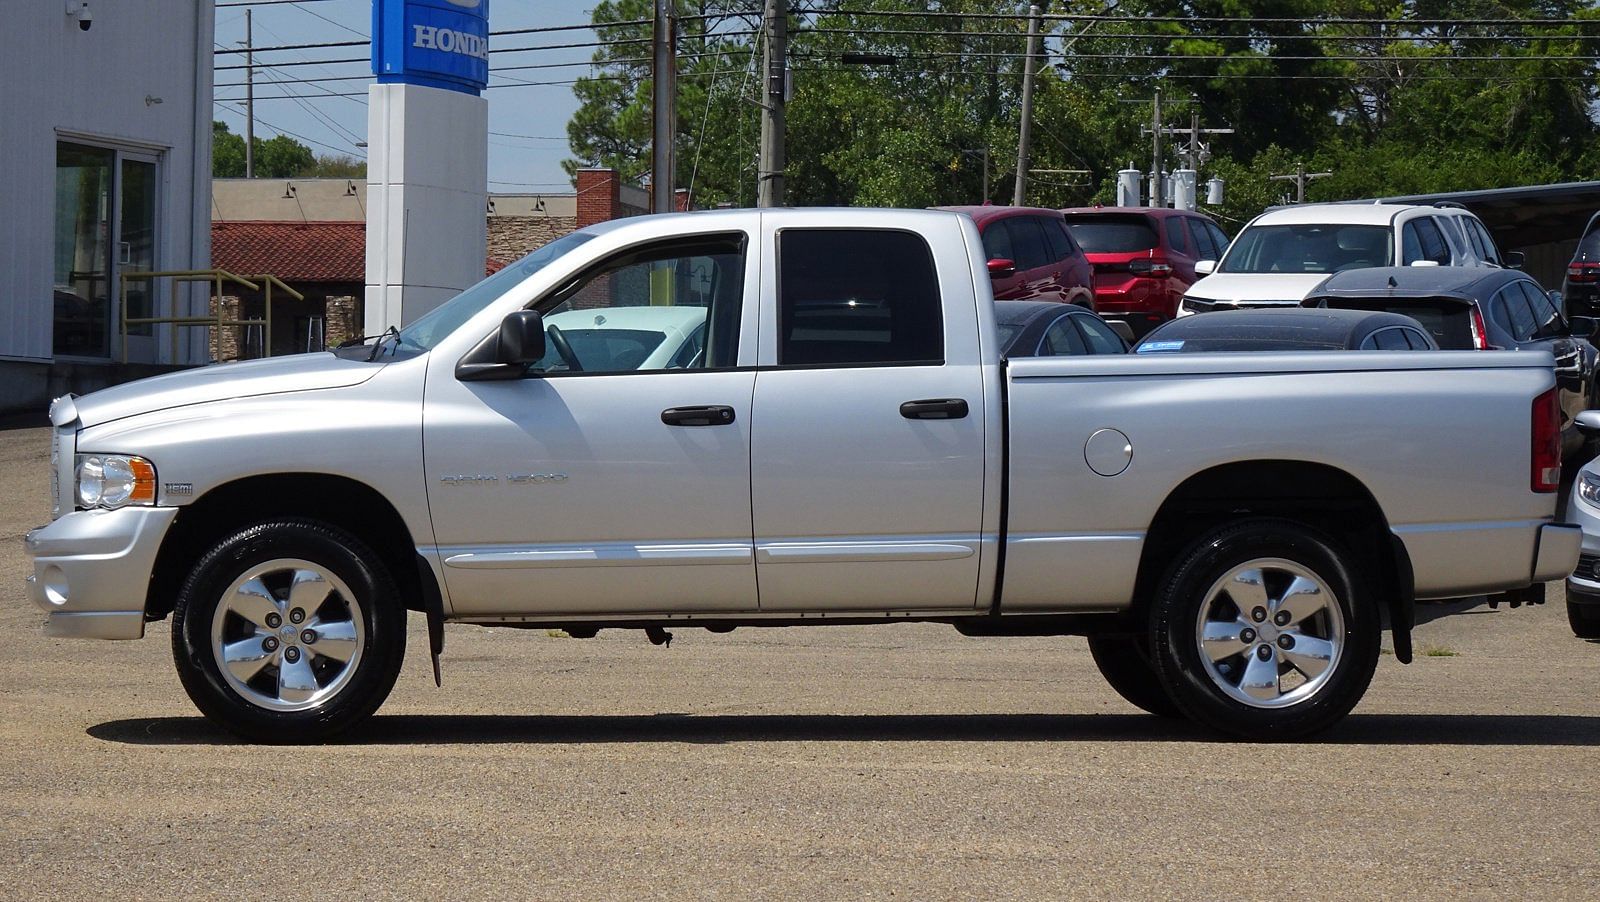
x,y
1318,495
337,500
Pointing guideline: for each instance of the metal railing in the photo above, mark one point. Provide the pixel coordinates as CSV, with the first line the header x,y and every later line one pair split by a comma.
x,y
217,277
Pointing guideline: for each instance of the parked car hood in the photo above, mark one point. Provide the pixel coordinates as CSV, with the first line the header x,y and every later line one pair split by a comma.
x,y
1246,287
219,382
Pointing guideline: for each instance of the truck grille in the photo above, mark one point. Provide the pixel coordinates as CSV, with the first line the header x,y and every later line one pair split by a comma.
x,y
1588,567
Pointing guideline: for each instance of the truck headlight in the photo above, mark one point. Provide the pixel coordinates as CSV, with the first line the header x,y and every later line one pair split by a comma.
x,y
1589,488
111,481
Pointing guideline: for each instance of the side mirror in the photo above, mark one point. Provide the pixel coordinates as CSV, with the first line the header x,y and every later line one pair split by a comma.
x,y
1588,423
1123,330
506,352
1205,267
1582,326
1514,259
521,339
1000,267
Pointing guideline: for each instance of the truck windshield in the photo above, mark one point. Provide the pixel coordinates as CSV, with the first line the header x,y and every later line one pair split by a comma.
x,y
434,325
1309,248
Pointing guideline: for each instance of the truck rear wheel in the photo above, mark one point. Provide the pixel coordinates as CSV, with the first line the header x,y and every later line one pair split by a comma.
x,y
288,631
1125,663
1264,631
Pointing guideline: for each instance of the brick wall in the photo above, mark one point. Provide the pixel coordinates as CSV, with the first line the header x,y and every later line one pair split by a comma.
x,y
513,237
224,344
343,320
597,195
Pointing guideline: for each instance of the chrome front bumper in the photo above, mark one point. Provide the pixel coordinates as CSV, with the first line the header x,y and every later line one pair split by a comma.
x,y
91,570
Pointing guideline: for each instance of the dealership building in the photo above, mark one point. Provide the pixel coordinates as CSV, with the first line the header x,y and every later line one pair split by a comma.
x,y
105,167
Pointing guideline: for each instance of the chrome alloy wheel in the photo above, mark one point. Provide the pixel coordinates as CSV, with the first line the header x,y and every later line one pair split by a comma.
x,y
287,635
1270,633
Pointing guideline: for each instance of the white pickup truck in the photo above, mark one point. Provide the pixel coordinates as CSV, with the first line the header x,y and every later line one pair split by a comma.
x,y
829,436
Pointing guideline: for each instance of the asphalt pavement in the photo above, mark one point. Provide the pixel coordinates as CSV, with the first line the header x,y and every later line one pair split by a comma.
x,y
882,762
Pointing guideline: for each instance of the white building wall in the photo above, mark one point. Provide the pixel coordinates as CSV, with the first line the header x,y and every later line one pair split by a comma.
x,y
60,82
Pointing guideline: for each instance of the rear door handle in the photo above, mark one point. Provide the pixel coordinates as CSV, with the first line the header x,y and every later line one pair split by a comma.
x,y
699,415
934,409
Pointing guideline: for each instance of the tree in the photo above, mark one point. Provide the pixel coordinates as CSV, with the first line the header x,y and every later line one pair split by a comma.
x,y
278,157
227,152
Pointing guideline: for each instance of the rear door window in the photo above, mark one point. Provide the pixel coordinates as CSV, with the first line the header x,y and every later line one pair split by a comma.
x,y
857,297
1419,342
1474,239
1099,335
1491,251
1389,340
1220,237
1547,319
1433,244
1028,240
1055,236
1513,314
1061,340
1200,240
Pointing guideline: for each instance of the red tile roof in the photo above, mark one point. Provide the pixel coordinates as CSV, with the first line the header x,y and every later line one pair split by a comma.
x,y
297,251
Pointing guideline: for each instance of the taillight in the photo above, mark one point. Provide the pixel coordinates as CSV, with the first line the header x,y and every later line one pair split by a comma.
x,y
1583,273
1480,334
1546,474
1150,267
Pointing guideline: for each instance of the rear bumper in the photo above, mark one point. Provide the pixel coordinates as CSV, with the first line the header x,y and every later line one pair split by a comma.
x,y
1557,555
90,570
1453,560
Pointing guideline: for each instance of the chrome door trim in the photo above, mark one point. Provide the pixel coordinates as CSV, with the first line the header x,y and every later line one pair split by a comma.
x,y
874,550
610,554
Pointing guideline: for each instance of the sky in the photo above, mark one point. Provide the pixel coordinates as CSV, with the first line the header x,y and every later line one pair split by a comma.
x,y
527,123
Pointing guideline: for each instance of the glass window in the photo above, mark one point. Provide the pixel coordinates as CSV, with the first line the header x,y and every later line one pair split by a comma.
x,y
1517,318
1200,240
1220,237
1176,241
1546,317
1474,239
82,250
1099,335
1055,235
1433,244
1027,238
1418,341
857,296
431,328
1410,245
997,243
1390,340
1491,250
673,305
1317,248
1062,340
1113,233
136,237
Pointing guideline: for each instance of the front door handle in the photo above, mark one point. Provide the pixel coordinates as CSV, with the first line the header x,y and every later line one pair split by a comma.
x,y
699,415
934,409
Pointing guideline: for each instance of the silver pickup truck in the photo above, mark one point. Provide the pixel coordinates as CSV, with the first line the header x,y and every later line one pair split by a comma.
x,y
782,418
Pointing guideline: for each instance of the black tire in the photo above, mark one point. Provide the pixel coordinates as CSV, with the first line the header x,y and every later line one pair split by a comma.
x,y
1185,672
378,608
1584,616
1125,663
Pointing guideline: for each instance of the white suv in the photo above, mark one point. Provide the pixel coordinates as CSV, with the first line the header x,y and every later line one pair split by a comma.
x,y
1284,253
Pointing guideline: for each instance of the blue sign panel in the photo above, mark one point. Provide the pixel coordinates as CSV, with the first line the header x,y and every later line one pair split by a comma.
x,y
437,43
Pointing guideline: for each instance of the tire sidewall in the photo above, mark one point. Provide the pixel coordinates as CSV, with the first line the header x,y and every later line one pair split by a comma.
x,y
383,620
1178,657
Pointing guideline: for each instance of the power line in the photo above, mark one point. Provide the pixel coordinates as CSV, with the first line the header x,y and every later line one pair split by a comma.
x,y
283,131
339,25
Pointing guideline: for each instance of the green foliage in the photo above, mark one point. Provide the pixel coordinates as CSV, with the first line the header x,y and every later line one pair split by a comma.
x,y
277,157
1388,109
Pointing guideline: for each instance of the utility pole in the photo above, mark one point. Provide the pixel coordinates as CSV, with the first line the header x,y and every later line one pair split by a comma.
x,y
663,109
1026,133
1301,178
1157,198
249,100
775,63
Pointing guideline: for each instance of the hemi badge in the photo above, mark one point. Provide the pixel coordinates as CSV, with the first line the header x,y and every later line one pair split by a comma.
x,y
180,488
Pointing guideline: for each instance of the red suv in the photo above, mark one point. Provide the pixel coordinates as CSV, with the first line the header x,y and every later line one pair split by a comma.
x,y
1031,255
1143,258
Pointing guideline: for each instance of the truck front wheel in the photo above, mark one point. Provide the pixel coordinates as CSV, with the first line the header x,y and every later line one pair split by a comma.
x,y
288,631
1264,631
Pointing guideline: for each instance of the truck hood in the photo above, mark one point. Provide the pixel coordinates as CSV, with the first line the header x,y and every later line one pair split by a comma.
x,y
218,382
1254,288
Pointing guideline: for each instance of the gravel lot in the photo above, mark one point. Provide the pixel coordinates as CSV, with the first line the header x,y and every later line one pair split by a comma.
x,y
853,762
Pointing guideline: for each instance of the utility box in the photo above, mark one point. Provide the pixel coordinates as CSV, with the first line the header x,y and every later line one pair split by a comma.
x,y
1184,182
1128,184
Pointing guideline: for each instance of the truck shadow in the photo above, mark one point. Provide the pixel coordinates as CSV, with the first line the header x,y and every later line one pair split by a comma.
x,y
462,729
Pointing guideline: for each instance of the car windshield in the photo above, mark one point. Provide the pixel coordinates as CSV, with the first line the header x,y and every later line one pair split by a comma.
x,y
1113,233
1311,248
434,325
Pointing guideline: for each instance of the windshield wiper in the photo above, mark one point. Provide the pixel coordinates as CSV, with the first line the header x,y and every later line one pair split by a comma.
x,y
384,336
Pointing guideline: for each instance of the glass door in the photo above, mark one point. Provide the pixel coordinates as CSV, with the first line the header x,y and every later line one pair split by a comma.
x,y
137,193
83,285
